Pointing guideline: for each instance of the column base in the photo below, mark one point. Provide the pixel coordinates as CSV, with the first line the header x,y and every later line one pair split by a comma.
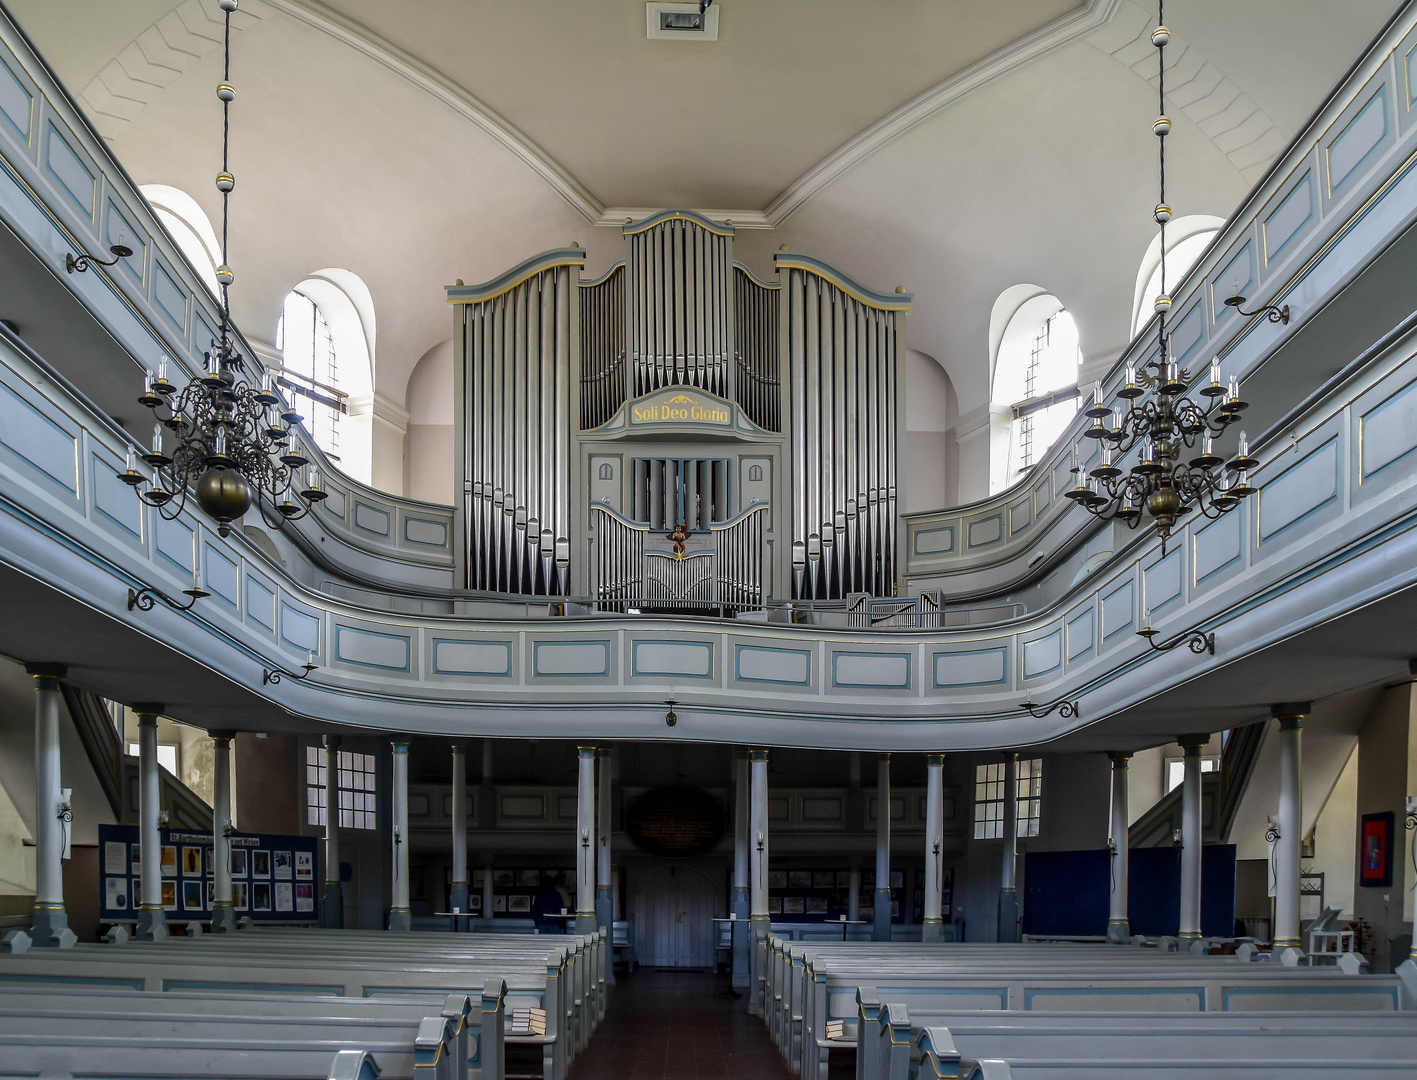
x,y
1008,915
742,936
50,928
932,931
1119,932
457,897
332,906
881,915
1188,936
152,924
400,919
585,923
223,918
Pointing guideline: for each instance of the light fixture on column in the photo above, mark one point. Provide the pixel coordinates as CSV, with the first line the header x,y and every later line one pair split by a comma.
x,y
671,717
146,598
230,440
1160,485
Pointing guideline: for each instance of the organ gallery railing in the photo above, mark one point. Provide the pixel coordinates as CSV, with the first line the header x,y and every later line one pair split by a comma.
x,y
724,577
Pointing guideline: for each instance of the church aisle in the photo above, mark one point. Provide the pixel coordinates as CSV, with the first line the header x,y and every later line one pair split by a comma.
x,y
666,1023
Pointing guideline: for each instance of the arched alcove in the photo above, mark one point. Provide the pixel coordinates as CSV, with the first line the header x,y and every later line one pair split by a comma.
x,y
931,465
430,426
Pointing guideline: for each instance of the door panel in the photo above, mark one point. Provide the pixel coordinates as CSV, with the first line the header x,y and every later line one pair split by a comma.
x,y
674,908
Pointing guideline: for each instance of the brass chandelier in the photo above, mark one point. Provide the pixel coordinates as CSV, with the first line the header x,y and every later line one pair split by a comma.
x,y
231,440
1160,485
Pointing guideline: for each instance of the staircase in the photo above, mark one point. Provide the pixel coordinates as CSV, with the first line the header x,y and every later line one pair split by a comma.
x,y
118,773
1220,795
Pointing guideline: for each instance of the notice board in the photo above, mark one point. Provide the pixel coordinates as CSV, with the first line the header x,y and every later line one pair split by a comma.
x,y
273,878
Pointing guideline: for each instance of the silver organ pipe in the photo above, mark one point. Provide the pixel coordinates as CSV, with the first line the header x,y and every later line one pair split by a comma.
x,y
812,362
843,372
517,357
679,325
755,347
602,343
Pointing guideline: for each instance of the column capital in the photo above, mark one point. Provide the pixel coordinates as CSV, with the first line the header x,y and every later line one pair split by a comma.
x,y
1192,744
331,742
1291,714
47,671
757,755
604,751
1011,755
1119,758
149,709
458,748
222,736
400,744
935,759
585,751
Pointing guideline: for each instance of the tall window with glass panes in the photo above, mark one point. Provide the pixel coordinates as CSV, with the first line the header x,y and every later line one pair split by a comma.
x,y
355,775
989,798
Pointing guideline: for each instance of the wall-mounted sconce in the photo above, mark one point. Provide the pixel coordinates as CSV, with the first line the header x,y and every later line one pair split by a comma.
x,y
80,264
1274,314
274,675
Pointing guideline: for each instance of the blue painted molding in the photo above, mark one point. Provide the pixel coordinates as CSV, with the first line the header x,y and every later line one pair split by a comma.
x,y
787,260
721,228
506,282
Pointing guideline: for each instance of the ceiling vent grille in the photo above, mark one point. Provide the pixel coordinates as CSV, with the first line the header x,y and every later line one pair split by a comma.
x,y
681,22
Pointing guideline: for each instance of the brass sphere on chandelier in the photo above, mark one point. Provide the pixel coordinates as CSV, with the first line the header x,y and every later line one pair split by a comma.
x,y
224,494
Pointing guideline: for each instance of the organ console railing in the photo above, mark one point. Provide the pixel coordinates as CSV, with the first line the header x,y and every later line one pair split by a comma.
x,y
725,576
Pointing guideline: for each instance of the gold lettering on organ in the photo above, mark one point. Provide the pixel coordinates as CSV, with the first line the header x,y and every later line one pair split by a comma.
x,y
680,409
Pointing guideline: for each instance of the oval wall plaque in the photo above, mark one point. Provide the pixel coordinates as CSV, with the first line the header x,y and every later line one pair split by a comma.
x,y
675,822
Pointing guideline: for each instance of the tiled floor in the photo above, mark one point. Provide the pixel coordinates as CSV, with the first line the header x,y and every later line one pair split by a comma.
x,y
672,1024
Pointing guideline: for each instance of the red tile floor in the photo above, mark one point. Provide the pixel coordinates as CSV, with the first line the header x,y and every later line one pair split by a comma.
x,y
674,1024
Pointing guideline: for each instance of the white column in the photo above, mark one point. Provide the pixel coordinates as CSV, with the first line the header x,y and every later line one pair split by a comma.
x,y
740,905
585,840
758,870
1291,828
1191,837
152,920
1008,870
223,914
881,909
457,896
604,906
932,923
50,922
1118,927
400,914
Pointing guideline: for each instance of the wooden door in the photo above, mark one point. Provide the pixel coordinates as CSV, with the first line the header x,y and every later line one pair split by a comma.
x,y
674,908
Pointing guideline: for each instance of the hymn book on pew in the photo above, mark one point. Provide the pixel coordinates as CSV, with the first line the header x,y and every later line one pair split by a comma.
x,y
527,1022
836,1029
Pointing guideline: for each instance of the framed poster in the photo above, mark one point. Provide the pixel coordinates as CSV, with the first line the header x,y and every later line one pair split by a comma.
x,y
793,905
191,862
115,857
261,864
1375,850
304,896
823,879
241,895
799,879
192,896
261,896
169,860
285,896
774,905
115,893
304,866
283,862
777,879
529,878
520,903
169,893
238,861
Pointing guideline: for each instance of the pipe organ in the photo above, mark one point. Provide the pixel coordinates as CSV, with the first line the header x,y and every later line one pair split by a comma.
x,y
677,434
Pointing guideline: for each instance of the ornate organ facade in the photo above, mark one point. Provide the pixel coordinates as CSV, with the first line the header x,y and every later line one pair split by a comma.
x,y
678,434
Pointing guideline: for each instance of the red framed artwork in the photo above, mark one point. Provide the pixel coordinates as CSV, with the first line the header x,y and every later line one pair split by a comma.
x,y
1375,849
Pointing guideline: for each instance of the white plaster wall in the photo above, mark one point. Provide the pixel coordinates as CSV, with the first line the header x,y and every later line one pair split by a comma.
x,y
430,426
1336,839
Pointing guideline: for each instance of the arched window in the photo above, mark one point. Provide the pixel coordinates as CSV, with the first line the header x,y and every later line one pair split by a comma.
x,y
1186,239
311,369
1050,389
189,227
1035,380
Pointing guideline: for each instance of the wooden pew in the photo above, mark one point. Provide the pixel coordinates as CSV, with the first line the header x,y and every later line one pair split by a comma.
x,y
477,1024
169,967
1040,1047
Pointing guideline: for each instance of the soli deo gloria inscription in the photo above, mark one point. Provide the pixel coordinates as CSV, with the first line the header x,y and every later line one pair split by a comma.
x,y
681,408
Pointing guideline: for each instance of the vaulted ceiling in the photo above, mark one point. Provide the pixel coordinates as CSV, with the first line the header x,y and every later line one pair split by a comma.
x,y
956,147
